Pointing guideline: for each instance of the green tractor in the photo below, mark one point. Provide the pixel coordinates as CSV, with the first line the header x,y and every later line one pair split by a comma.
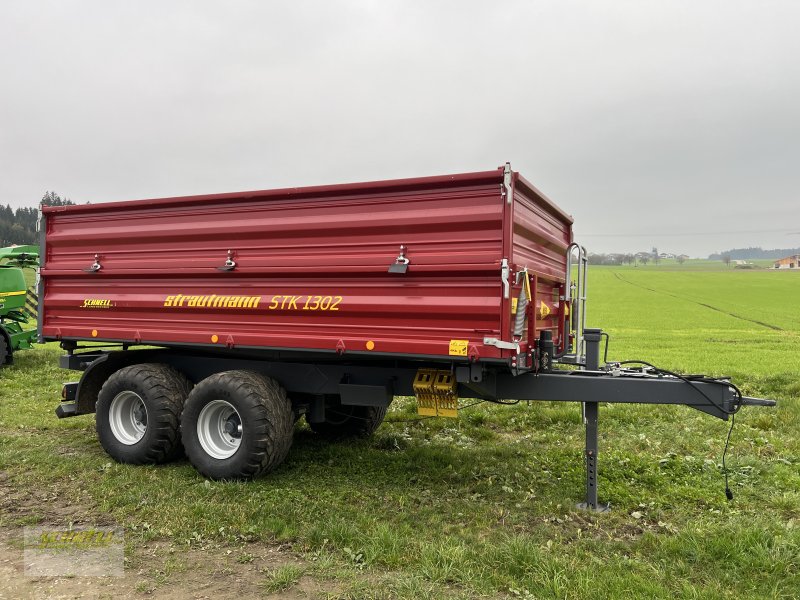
x,y
18,304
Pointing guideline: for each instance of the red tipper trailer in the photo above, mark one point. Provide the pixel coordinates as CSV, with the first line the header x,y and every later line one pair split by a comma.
x,y
230,316
309,268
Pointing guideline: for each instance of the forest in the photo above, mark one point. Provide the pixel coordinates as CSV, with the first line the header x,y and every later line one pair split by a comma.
x,y
18,226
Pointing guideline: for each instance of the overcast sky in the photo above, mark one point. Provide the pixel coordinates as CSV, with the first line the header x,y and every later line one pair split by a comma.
x,y
673,124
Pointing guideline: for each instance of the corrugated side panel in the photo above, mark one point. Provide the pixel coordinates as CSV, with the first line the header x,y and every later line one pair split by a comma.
x,y
311,269
541,235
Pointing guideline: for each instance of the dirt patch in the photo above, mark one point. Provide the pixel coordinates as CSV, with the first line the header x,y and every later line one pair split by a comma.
x,y
159,570
154,569
55,504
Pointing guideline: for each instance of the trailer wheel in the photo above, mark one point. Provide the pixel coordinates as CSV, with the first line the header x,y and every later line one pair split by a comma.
x,y
138,413
348,421
237,425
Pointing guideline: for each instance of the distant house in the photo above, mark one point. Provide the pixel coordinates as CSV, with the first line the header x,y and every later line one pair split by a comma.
x,y
790,262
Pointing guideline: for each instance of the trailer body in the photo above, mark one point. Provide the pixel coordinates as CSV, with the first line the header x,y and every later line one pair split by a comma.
x,y
326,303
308,269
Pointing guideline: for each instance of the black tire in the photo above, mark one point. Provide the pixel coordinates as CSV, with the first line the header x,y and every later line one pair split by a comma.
x,y
5,351
348,421
162,391
264,415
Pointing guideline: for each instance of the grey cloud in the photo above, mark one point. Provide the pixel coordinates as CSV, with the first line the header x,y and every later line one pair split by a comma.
x,y
673,121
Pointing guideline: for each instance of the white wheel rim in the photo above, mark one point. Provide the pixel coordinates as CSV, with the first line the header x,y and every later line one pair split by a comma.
x,y
219,429
127,417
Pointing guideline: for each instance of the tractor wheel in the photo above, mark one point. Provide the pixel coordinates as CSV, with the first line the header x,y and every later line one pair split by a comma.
x,y
5,351
237,425
348,421
138,413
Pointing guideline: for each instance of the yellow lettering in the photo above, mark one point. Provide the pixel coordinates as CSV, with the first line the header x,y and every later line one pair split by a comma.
x,y
276,302
48,538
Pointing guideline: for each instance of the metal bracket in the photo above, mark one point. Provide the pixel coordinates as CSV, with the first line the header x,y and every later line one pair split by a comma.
x,y
230,264
94,267
507,179
400,264
489,341
504,274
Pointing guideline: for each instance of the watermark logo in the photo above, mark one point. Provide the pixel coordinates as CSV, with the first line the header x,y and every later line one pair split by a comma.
x,y
75,552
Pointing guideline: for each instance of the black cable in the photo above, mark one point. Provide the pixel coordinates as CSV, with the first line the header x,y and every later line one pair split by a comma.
x,y
691,380
341,414
433,416
503,402
728,492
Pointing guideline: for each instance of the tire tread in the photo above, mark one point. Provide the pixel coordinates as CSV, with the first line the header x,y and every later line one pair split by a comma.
x,y
270,431
166,391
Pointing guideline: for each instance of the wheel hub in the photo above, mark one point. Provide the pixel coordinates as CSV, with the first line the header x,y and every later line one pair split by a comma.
x,y
127,417
233,426
140,415
219,429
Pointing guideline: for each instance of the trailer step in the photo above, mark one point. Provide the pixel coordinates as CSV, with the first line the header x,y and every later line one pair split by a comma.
x,y
436,393
66,409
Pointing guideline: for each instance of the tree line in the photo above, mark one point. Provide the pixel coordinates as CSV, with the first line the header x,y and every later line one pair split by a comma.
x,y
641,258
18,226
753,253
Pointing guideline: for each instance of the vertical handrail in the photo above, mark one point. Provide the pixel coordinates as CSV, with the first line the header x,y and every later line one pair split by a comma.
x,y
579,319
583,268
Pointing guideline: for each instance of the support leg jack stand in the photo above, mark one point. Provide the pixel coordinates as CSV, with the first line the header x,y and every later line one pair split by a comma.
x,y
590,418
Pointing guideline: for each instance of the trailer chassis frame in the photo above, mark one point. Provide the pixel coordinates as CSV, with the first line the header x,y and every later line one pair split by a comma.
x,y
375,384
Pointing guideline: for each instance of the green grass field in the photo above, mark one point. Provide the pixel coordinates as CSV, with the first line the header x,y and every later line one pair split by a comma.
x,y
484,506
